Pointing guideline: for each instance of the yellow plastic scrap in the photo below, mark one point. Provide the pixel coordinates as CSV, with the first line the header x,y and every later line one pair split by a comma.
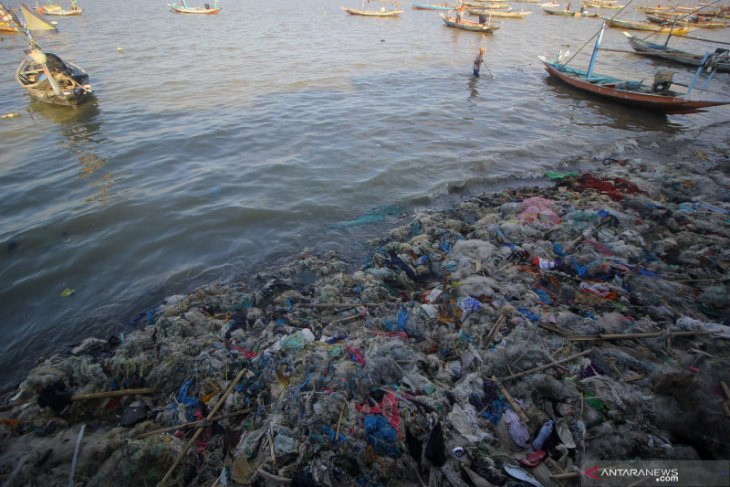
x,y
67,292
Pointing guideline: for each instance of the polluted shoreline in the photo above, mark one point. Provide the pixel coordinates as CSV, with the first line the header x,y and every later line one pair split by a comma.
x,y
509,339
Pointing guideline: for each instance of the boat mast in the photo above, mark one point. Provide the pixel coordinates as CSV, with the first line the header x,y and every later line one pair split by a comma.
x,y
595,51
706,61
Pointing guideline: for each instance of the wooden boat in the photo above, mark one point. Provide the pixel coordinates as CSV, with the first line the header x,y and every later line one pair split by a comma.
x,y
35,21
8,23
568,13
486,4
721,60
653,10
657,98
206,9
499,13
49,79
691,21
470,25
57,10
426,6
607,4
634,25
373,13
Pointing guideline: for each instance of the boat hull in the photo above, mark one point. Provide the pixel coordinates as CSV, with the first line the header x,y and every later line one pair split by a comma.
x,y
672,55
470,26
627,24
421,6
73,86
193,10
568,13
499,14
656,19
372,13
8,29
59,12
646,101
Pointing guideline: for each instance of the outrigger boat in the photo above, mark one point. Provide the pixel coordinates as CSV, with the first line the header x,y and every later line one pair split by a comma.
x,y
657,97
568,13
382,12
691,21
470,25
55,9
721,59
428,6
608,4
630,24
499,13
206,9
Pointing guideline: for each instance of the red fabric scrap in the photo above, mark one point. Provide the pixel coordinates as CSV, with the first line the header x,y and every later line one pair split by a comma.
x,y
356,355
611,187
388,407
246,353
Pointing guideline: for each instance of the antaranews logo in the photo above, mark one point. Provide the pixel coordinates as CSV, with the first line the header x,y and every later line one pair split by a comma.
x,y
675,473
591,472
626,473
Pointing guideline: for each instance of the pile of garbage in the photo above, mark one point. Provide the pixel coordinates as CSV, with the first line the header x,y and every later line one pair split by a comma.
x,y
507,341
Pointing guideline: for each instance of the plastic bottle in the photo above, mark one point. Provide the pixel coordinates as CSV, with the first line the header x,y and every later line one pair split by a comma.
x,y
543,435
545,263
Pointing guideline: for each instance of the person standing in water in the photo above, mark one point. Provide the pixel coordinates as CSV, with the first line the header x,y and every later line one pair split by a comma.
x,y
478,61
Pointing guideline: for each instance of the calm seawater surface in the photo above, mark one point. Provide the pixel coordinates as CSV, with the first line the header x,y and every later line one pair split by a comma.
x,y
217,145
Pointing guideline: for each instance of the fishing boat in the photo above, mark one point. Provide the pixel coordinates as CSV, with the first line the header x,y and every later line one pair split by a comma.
x,y
35,21
487,4
499,13
490,5
691,21
382,12
657,97
55,9
721,60
206,9
568,13
8,24
470,25
428,6
636,25
47,78
653,10
607,4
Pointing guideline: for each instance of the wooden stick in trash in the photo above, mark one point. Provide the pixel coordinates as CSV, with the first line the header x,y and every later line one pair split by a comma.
x,y
272,477
547,366
631,336
338,305
200,429
515,405
493,332
566,475
190,424
348,318
554,329
119,393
